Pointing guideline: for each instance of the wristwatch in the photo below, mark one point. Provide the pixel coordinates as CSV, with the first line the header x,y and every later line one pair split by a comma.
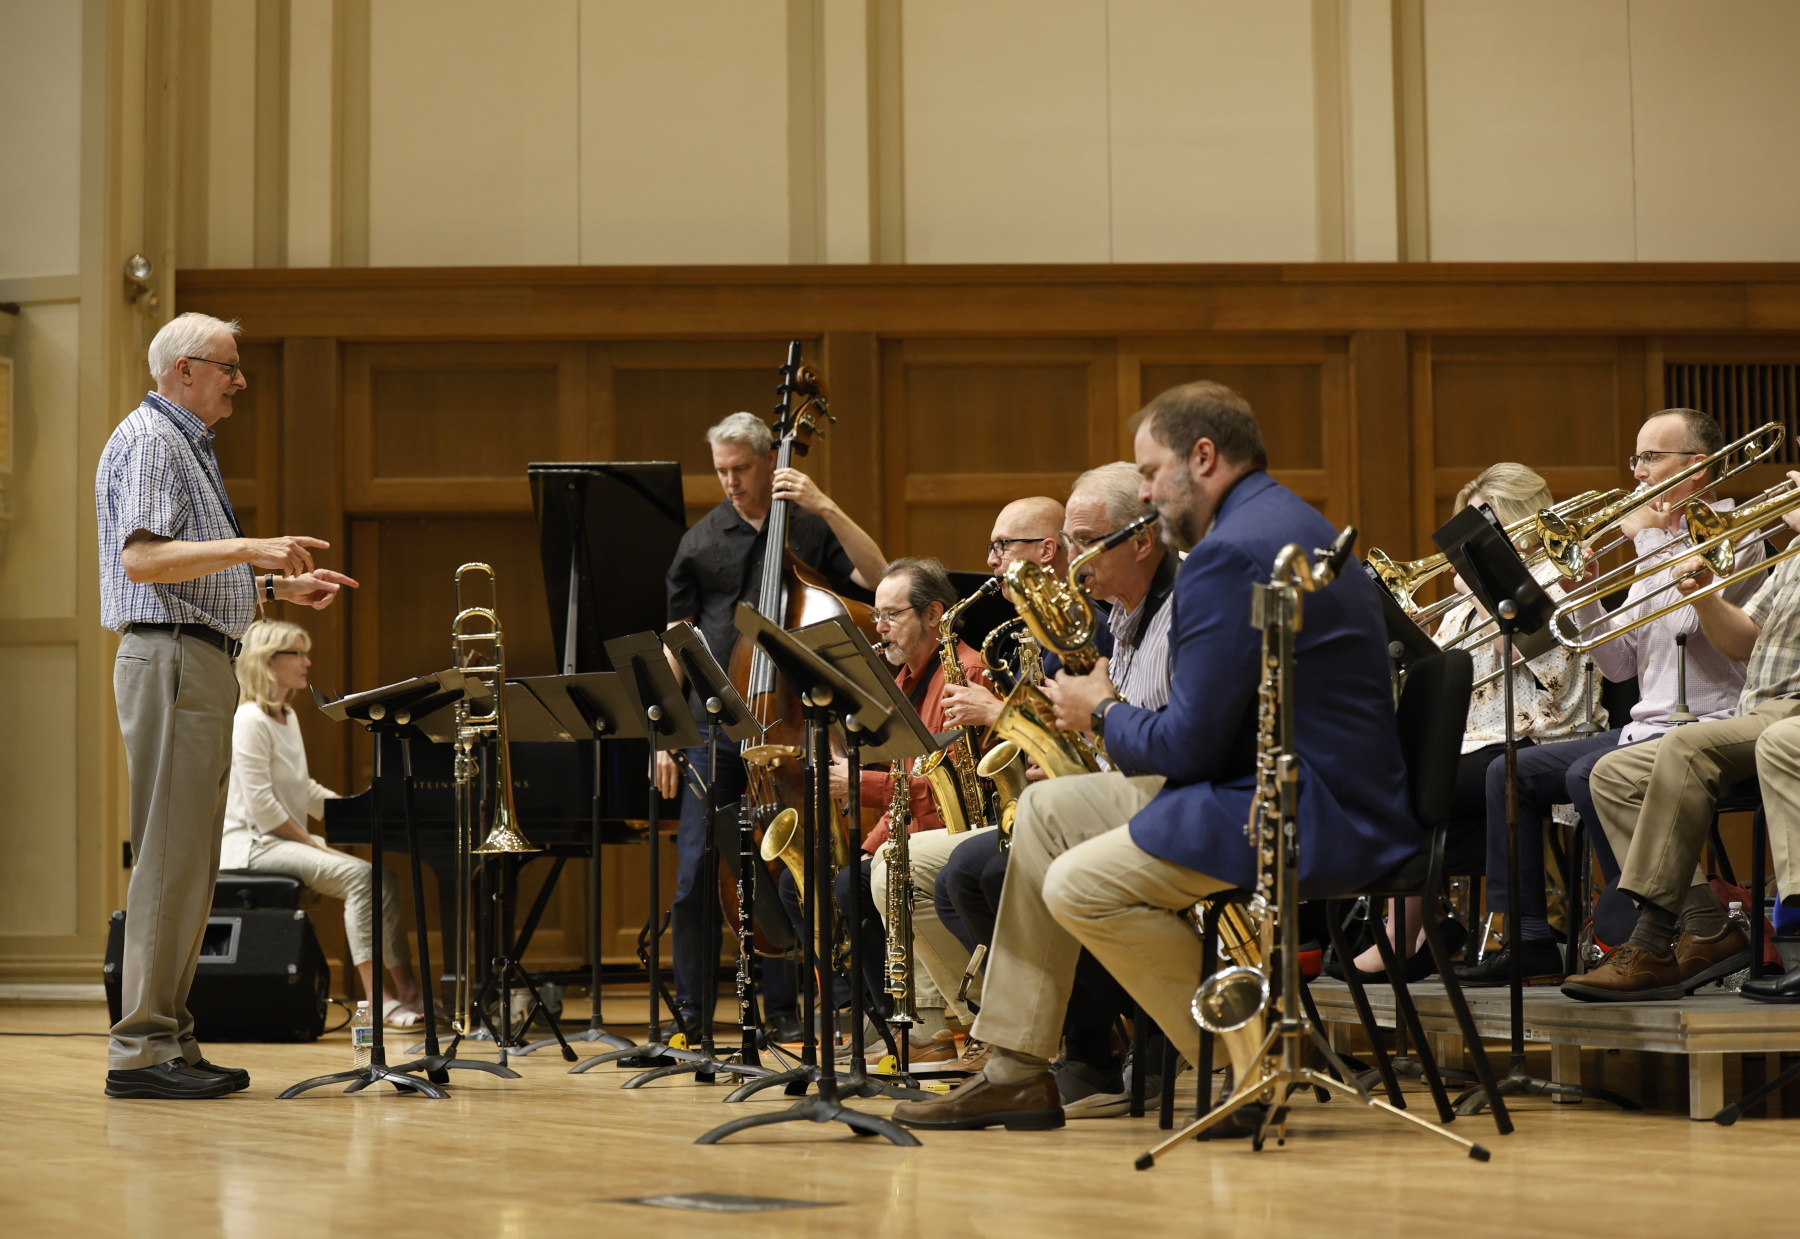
x,y
1097,720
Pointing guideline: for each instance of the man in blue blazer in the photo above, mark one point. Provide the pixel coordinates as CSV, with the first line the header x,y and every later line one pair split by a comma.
x,y
1110,861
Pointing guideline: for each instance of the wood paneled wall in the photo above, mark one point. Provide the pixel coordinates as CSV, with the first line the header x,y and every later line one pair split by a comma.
x,y
393,411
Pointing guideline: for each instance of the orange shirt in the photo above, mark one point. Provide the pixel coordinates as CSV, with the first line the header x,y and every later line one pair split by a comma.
x,y
878,784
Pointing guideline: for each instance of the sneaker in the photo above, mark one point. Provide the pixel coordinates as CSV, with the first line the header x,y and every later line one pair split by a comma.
x,y
1089,1093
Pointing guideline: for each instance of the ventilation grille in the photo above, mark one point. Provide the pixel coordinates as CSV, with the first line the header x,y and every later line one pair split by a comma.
x,y
1742,397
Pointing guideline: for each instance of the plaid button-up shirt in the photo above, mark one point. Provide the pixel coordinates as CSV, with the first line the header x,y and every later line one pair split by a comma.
x,y
1774,669
158,473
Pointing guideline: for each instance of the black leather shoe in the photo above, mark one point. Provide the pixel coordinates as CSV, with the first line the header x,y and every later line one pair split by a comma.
x,y
172,1080
785,1029
1418,965
240,1079
1542,959
1784,988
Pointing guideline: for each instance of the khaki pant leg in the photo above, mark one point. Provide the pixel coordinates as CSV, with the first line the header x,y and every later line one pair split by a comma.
x,y
175,697
1125,906
1690,767
1031,968
338,875
939,960
1778,766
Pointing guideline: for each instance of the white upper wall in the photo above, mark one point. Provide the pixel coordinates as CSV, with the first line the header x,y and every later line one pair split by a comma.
x,y
769,131
40,137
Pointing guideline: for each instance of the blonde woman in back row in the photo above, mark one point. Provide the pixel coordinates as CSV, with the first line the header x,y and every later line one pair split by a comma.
x,y
272,796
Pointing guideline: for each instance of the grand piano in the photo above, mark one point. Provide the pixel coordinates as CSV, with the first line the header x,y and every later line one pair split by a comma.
x,y
600,584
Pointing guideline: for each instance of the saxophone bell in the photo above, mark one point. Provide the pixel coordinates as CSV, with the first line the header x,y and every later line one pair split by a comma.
x,y
1230,1005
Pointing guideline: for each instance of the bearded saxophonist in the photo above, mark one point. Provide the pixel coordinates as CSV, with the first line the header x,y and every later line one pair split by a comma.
x,y
1110,861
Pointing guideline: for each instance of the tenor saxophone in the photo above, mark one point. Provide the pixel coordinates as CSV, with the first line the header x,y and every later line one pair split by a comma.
x,y
950,772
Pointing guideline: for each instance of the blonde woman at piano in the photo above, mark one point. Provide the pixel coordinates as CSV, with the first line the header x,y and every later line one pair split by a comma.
x,y
272,796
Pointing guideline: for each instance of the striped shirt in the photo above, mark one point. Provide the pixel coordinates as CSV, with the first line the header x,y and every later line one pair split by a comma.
x,y
158,473
1140,657
1774,669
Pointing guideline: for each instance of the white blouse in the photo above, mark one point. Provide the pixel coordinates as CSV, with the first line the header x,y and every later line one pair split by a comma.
x,y
269,782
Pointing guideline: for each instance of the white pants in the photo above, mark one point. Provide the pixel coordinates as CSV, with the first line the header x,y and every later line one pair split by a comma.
x,y
939,960
339,876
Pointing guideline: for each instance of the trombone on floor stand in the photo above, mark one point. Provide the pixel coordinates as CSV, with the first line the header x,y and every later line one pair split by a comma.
x,y
1232,1004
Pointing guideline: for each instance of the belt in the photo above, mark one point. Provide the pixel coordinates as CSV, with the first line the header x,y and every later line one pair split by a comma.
x,y
208,634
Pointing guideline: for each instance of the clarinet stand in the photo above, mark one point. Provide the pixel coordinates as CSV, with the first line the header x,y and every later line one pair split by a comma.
x,y
1500,581
1244,993
390,711
656,700
724,708
826,695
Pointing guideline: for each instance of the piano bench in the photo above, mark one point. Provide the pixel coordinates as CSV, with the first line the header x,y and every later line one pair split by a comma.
x,y
252,888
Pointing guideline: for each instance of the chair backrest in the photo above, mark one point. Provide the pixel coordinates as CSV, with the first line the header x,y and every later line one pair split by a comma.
x,y
1434,709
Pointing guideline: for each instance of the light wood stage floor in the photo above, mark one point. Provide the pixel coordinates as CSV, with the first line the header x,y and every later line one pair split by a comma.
x,y
550,1154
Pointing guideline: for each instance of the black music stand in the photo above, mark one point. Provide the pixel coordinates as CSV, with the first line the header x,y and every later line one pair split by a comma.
x,y
1490,565
399,710
595,705
829,696
660,707
725,708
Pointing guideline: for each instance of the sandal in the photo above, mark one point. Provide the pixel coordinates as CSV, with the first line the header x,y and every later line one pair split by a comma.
x,y
396,1014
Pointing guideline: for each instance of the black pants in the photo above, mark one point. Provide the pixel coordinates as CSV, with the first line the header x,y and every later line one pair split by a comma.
x,y
1549,775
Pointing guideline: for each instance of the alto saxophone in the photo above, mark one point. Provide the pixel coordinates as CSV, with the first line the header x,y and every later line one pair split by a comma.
x,y
950,772
899,968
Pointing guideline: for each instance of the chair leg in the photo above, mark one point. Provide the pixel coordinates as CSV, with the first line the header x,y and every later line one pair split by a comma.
x,y
1384,1068
1721,860
1575,896
1209,964
1759,840
1400,936
1140,1046
1165,1104
1408,1016
1484,1070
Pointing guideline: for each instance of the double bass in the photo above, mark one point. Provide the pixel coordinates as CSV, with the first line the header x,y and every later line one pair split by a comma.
x,y
793,594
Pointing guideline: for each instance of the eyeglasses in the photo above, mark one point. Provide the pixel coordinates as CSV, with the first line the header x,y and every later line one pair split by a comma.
x,y
888,617
999,545
1077,543
1650,458
230,368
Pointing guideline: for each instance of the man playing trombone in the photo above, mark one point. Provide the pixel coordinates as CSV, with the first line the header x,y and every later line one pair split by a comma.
x,y
1557,774
1657,800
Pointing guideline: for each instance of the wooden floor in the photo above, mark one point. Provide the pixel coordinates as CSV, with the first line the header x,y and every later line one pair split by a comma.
x,y
551,1154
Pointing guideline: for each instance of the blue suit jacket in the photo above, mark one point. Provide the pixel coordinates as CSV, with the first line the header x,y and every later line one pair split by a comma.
x,y
1355,822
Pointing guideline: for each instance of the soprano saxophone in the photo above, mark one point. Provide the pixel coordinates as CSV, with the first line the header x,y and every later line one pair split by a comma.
x,y
899,968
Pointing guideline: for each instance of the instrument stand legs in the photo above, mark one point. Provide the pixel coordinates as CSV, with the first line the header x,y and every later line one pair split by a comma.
x,y
826,1106
377,1069
705,1066
1519,1082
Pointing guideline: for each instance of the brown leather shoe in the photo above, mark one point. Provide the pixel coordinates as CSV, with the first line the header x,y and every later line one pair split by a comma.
x,y
1033,1105
974,1056
1630,973
1709,959
939,1048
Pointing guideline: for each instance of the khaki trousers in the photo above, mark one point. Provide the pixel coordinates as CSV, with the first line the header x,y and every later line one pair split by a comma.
x,y
175,697
1657,799
1076,879
939,960
1778,766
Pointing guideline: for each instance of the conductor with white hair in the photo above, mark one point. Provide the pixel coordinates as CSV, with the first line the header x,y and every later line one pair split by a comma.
x,y
180,583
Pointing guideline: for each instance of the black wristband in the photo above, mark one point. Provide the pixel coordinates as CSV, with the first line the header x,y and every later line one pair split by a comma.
x,y
269,587
1097,720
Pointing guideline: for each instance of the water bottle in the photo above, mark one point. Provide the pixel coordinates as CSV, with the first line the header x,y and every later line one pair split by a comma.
x,y
362,1035
1734,916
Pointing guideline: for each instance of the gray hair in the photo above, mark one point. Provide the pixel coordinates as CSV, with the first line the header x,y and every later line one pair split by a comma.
x,y
185,335
745,428
927,582
1117,486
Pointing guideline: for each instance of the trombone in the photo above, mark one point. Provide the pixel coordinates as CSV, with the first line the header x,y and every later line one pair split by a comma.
x,y
1713,536
1404,579
1565,540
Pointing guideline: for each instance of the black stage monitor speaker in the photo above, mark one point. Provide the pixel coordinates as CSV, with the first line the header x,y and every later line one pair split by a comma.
x,y
261,976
